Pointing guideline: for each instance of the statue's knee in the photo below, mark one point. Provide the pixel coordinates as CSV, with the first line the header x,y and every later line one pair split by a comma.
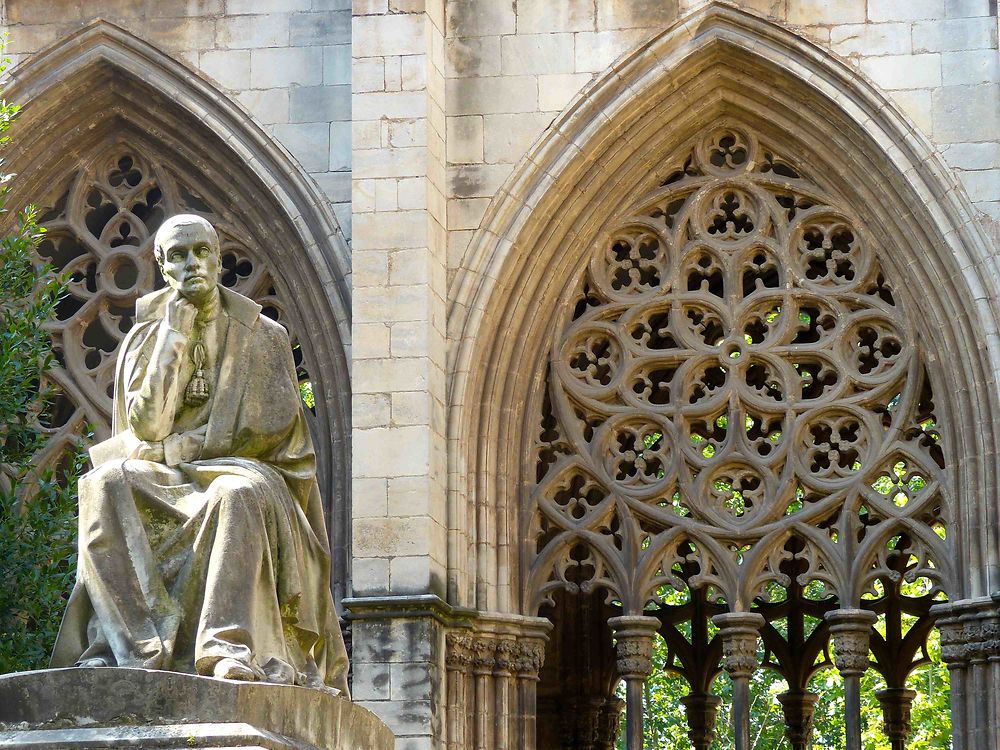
x,y
110,472
101,492
235,494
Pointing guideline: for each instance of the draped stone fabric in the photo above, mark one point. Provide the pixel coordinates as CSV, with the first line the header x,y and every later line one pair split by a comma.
x,y
219,549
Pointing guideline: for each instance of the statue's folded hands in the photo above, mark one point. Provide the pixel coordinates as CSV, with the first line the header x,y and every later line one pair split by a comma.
x,y
202,541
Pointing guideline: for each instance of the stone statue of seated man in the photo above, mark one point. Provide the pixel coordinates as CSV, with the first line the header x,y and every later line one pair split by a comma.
x,y
202,542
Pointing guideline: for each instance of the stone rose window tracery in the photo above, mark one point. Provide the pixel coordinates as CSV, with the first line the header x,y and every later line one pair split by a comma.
x,y
99,232
737,417
735,368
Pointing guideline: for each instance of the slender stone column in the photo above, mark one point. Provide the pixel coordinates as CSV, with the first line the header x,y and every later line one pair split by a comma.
x,y
528,659
503,692
896,703
634,646
701,710
849,629
588,715
798,707
611,717
954,653
458,659
739,631
483,660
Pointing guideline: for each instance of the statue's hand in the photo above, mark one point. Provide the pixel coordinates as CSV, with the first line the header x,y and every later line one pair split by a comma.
x,y
183,446
181,314
151,451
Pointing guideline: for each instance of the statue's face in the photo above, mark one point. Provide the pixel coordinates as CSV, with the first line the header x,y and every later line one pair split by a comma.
x,y
190,261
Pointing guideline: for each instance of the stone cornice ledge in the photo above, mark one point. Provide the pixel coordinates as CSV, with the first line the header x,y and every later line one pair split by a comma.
x,y
413,605
431,605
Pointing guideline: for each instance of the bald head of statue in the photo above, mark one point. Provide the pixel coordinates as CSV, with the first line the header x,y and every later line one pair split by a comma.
x,y
187,250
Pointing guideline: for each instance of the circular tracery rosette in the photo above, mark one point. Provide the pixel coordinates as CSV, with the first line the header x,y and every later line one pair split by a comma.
x,y
734,362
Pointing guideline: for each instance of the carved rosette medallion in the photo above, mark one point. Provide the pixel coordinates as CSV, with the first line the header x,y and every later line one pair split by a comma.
x,y
733,381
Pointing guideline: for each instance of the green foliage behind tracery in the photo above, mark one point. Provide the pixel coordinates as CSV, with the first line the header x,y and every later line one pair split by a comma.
x,y
666,724
37,508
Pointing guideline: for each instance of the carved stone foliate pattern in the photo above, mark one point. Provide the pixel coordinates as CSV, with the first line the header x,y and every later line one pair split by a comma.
x,y
634,645
528,659
970,636
701,710
100,232
635,657
739,633
611,716
505,656
458,655
897,704
798,707
487,653
851,652
735,395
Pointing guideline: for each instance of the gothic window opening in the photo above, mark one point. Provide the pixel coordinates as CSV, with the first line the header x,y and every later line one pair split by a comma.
x,y
738,454
99,233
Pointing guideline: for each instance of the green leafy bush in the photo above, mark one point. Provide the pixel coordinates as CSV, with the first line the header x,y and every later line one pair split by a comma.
x,y
37,507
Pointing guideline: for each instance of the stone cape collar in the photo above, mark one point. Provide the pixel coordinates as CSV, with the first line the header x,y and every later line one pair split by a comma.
x,y
152,307
150,310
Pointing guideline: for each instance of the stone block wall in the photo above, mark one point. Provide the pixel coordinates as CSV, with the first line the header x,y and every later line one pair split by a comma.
x,y
288,62
411,115
512,67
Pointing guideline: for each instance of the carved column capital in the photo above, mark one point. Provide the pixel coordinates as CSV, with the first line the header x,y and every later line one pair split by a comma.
x,y
970,631
849,629
701,709
504,656
739,632
896,704
798,706
484,649
458,651
611,717
529,655
634,644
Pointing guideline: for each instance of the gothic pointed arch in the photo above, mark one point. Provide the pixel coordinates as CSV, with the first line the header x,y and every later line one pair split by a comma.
x,y
616,142
114,136
613,372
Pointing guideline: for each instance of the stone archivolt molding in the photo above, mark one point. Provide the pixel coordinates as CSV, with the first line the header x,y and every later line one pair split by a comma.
x,y
126,134
735,392
850,140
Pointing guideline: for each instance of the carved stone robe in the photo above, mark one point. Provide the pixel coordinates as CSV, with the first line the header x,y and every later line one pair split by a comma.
x,y
220,550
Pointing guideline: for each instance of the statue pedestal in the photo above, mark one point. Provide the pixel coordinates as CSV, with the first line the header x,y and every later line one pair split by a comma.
x,y
109,707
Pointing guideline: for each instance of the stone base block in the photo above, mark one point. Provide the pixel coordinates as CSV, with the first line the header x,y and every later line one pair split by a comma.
x,y
79,709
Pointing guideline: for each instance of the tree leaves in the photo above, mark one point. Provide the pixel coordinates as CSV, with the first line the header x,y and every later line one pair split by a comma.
x,y
37,509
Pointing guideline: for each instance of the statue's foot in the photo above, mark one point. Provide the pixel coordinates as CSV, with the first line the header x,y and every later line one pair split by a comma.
x,y
91,663
234,669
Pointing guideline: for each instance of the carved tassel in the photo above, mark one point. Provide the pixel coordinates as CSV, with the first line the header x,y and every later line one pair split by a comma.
x,y
197,391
